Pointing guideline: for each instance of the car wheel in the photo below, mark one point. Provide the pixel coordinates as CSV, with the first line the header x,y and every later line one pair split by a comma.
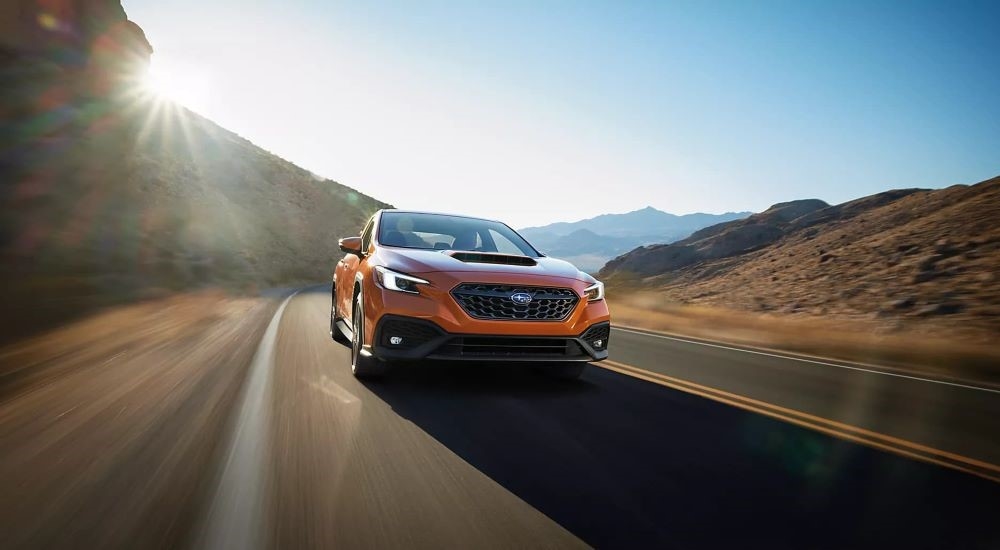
x,y
363,366
334,331
563,371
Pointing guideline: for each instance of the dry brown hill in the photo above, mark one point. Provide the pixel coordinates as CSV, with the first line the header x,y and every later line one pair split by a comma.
x,y
110,195
906,255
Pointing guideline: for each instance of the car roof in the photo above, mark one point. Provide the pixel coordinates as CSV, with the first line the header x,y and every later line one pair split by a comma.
x,y
400,211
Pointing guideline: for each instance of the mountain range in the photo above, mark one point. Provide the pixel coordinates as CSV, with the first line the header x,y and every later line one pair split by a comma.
x,y
590,243
919,255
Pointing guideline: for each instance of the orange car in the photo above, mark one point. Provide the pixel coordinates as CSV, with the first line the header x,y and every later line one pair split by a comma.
x,y
417,285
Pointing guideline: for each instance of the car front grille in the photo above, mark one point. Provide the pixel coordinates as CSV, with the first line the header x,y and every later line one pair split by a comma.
x,y
495,302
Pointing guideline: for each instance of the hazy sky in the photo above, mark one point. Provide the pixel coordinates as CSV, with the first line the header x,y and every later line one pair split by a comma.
x,y
540,111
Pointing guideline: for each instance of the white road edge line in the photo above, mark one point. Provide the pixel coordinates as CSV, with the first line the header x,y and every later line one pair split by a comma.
x,y
791,358
235,517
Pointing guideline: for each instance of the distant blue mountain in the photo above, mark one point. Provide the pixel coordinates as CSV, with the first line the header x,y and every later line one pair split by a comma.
x,y
592,242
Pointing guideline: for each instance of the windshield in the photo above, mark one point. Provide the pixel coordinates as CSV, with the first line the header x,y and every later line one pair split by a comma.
x,y
442,232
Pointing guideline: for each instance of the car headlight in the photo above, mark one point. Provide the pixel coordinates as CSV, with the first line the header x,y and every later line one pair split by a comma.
x,y
390,280
594,292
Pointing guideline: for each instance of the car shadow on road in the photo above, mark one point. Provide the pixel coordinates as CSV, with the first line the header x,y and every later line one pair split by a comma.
x,y
621,462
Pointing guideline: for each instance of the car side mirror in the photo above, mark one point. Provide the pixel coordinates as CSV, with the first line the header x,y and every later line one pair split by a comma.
x,y
351,245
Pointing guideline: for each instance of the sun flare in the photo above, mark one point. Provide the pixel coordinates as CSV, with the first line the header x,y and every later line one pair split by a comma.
x,y
181,86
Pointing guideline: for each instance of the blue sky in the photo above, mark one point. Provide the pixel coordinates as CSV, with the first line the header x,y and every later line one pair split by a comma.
x,y
534,112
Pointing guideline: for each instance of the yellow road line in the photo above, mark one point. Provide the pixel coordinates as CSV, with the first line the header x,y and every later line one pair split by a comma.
x,y
855,434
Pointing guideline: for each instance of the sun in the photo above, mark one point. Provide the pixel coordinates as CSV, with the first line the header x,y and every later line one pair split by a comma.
x,y
178,84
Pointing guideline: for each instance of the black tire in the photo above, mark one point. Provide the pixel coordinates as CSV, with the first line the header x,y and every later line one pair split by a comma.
x,y
363,366
563,371
334,331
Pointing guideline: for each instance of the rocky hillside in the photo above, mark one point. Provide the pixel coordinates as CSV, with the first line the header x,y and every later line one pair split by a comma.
x,y
592,242
907,254
109,194
718,241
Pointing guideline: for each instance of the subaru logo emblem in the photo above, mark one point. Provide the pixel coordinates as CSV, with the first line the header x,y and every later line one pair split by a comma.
x,y
521,298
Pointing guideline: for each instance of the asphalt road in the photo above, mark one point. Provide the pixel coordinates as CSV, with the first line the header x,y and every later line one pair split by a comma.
x,y
252,433
956,417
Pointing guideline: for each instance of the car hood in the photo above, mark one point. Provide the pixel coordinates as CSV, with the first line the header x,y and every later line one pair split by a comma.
x,y
430,261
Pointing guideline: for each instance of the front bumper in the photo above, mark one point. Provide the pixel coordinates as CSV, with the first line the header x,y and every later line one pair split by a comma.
x,y
435,303
424,339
